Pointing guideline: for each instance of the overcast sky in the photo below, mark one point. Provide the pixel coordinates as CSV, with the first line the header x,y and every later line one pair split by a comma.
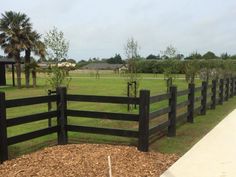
x,y
100,28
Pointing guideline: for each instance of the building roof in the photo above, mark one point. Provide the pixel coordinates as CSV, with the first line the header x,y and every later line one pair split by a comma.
x,y
102,66
7,60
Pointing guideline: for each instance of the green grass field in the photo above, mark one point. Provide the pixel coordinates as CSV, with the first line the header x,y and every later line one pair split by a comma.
x,y
111,85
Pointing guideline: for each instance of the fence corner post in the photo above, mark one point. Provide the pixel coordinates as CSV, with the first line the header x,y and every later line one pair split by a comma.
x,y
213,97
204,98
144,103
62,135
3,129
191,88
172,113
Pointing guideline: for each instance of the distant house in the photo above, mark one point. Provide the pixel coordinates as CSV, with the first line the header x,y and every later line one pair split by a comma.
x,y
67,64
45,65
103,66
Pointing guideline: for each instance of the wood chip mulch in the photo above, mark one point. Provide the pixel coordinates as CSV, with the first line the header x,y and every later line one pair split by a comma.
x,y
88,160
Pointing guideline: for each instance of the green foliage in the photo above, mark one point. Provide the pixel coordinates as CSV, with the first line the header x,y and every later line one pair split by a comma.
x,y
153,57
191,69
194,56
209,55
170,52
115,60
57,77
225,56
57,46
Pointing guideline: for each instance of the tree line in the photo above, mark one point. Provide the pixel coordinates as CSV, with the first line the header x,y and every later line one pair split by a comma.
x,y
18,36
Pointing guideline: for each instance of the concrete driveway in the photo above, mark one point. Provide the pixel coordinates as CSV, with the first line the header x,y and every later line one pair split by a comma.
x,y
213,156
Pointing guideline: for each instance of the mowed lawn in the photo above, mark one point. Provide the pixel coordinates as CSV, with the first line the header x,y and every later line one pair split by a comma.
x,y
108,84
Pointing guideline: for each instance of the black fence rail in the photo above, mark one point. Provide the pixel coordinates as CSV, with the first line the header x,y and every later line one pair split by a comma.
x,y
5,141
197,101
209,95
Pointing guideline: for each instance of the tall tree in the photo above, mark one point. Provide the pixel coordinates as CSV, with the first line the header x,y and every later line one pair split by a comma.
x,y
12,37
33,44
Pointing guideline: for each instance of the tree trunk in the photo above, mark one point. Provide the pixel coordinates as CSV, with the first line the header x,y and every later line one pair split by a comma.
x,y
34,78
18,70
27,67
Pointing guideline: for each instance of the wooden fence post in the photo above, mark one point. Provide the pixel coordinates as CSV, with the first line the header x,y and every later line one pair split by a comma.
x,y
49,109
204,98
213,97
227,90
3,129
172,113
191,88
144,103
62,135
232,87
221,91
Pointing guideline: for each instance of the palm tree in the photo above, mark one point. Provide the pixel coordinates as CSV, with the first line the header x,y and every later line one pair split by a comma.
x,y
12,39
33,44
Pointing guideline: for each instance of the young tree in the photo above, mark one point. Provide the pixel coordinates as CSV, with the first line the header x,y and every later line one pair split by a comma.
x,y
57,46
170,71
131,51
170,52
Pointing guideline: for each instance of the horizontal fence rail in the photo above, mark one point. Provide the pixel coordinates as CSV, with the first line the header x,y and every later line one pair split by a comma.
x,y
30,101
158,98
30,118
102,99
182,104
103,131
158,113
103,115
183,92
159,127
31,135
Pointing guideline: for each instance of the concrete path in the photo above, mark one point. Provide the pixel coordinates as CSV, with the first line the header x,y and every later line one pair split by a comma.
x,y
213,156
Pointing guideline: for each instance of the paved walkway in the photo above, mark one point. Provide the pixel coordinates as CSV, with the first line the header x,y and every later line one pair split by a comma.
x,y
213,156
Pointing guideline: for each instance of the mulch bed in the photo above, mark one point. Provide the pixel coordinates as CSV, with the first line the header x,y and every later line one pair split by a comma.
x,y
88,160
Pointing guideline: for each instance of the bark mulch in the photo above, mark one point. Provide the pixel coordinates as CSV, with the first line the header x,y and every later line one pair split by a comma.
x,y
88,160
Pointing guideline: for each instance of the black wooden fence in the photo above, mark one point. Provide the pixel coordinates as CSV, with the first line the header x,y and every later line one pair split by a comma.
x,y
208,97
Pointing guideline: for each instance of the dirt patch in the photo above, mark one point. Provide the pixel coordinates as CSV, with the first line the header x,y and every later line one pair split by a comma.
x,y
90,160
